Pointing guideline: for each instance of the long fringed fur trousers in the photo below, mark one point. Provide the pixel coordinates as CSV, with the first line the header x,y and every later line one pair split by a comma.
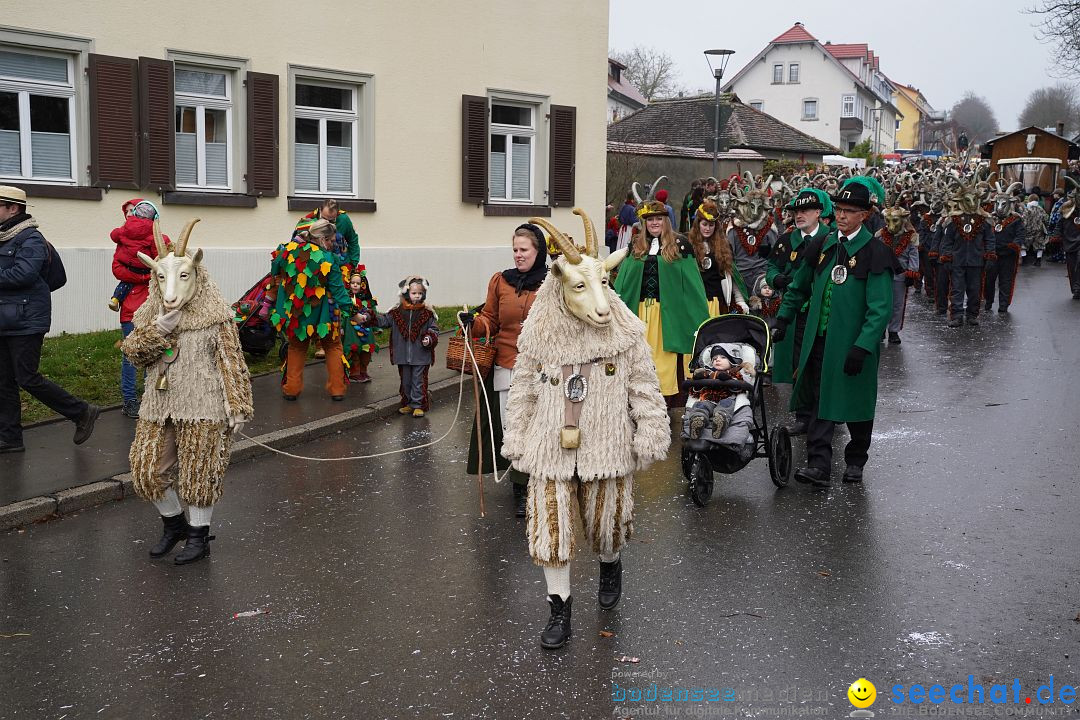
x,y
605,509
193,454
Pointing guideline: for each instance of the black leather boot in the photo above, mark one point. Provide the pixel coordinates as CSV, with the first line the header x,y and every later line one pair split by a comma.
x,y
197,546
521,496
176,529
557,631
610,584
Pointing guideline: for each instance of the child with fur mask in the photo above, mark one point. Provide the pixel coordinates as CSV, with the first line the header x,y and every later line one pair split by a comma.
x,y
413,336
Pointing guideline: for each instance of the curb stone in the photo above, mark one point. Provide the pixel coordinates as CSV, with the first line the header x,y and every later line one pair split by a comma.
x,y
119,487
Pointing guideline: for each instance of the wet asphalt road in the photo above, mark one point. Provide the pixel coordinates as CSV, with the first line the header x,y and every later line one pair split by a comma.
x,y
390,597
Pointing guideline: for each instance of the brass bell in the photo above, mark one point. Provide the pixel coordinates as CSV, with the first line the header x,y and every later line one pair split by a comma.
x,y
163,382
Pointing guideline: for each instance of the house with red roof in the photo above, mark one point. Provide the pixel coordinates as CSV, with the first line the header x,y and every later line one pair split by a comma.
x,y
622,97
834,92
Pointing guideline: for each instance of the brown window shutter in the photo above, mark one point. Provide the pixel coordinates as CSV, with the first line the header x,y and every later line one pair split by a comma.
x,y
114,121
561,154
157,121
474,149
262,134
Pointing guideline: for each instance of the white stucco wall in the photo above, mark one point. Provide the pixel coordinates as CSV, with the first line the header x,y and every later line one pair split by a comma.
x,y
422,56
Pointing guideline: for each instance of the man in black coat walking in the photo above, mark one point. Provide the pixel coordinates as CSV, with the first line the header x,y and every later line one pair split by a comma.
x,y
25,317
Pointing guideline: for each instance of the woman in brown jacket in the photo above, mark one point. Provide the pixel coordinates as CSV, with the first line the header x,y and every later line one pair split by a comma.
x,y
510,294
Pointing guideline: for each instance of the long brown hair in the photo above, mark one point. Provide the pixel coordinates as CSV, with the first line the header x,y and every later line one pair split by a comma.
x,y
669,245
718,244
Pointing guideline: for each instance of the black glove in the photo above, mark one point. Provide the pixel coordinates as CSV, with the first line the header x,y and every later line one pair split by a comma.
x,y
779,330
780,282
908,280
855,358
466,318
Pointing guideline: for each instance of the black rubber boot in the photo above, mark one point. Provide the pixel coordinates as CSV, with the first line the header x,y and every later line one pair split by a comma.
x,y
176,529
610,584
197,546
557,631
521,497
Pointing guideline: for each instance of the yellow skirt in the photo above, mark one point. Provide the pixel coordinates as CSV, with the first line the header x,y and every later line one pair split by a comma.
x,y
667,363
714,307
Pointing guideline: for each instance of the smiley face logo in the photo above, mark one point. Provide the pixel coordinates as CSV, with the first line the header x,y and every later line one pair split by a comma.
x,y
862,693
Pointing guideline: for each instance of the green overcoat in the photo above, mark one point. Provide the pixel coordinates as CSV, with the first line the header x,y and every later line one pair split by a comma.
x,y
787,256
682,298
860,312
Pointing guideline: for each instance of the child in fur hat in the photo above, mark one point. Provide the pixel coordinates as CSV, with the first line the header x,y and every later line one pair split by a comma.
x,y
713,408
413,336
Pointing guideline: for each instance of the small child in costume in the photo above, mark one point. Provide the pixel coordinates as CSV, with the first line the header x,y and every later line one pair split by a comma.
x,y
132,237
765,302
359,338
713,408
413,336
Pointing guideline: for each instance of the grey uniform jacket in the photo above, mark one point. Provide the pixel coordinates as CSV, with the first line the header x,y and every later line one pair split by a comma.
x,y
967,252
1011,233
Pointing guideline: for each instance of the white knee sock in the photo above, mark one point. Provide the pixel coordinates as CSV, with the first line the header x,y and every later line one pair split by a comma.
x,y
1038,253
558,580
169,504
199,516
605,557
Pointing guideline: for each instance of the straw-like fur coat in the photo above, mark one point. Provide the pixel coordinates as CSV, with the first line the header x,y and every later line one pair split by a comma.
x,y
208,383
624,421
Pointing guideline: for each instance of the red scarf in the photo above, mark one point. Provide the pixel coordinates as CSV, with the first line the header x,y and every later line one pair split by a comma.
x,y
744,236
902,242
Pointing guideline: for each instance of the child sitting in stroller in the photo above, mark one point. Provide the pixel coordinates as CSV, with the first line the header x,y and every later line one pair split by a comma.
x,y
713,408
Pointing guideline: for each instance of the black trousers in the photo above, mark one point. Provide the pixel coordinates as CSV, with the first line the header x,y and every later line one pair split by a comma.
x,y
19,359
1072,266
796,353
819,436
1000,277
943,277
966,282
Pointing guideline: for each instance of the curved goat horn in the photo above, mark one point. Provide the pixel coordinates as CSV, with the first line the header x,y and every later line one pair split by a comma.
x,y
636,190
181,244
655,186
1072,182
569,250
591,247
1012,187
765,185
159,240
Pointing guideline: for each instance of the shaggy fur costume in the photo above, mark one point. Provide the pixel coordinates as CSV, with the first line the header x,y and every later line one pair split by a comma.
x,y
208,384
624,425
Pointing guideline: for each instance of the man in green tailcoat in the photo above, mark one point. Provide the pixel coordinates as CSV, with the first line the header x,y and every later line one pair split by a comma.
x,y
786,258
847,279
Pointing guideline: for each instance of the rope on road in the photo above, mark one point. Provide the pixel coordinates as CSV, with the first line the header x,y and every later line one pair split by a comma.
x,y
457,412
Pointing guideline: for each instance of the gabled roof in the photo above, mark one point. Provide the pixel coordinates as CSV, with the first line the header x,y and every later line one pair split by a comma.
x,y
623,87
684,123
1027,130
847,50
796,34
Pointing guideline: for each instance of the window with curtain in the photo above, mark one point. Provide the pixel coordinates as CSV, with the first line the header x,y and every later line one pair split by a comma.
x,y
757,104
326,126
793,73
513,151
203,128
809,110
847,106
777,74
37,117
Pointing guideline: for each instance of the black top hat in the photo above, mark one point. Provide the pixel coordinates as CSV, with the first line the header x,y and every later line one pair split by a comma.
x,y
853,195
805,200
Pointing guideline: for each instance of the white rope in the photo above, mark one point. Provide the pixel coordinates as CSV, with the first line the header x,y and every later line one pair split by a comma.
x,y
457,412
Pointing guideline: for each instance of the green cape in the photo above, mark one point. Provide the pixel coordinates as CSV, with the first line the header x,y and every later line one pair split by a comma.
x,y
682,298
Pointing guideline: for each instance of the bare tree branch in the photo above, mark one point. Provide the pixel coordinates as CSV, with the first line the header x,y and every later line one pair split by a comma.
x,y
972,114
1059,27
651,71
1048,106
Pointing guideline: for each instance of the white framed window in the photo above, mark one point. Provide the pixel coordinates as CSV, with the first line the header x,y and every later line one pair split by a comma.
x,y
793,73
757,105
204,99
777,74
512,154
847,106
809,109
37,116
332,121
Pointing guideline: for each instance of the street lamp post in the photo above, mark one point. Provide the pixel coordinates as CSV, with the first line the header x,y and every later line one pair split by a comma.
x,y
722,57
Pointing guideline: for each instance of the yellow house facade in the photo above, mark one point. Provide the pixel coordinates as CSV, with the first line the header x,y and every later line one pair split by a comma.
x,y
911,128
429,121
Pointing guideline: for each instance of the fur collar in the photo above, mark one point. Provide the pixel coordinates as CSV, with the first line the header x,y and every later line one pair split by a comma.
x,y
551,335
206,309
17,228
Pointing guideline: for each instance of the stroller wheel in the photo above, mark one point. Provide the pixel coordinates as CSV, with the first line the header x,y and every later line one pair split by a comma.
x,y
701,480
780,457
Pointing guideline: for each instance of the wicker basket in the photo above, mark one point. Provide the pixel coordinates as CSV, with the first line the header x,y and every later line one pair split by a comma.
x,y
483,350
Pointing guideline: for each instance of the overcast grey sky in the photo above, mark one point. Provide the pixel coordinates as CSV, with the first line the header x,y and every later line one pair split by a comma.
x,y
942,47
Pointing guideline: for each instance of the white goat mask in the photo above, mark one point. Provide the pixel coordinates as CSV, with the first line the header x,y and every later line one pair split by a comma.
x,y
583,275
174,270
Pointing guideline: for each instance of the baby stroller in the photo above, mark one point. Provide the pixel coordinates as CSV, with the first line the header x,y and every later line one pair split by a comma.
x,y
257,335
747,435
